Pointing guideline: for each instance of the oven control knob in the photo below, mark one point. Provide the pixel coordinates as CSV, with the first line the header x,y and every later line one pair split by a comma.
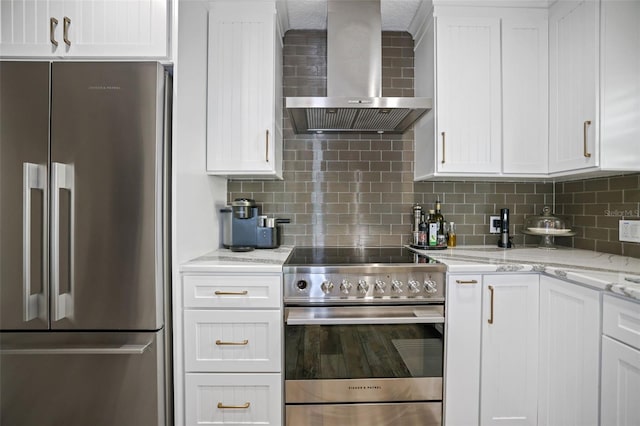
x,y
326,287
379,286
430,286
396,286
302,285
414,286
363,287
345,286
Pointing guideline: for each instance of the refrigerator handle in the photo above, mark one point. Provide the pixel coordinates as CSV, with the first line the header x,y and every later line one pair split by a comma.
x,y
62,177
34,176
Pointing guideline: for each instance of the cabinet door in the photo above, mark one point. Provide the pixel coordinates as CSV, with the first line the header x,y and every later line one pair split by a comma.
x,y
525,96
620,384
241,85
123,28
238,399
573,83
569,354
462,375
27,29
468,95
509,367
97,28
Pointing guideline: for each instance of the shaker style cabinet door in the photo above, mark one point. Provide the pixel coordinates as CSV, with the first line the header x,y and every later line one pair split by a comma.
x,y
573,84
468,95
84,29
509,366
244,122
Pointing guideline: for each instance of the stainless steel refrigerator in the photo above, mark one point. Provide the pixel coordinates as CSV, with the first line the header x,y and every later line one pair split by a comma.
x,y
84,282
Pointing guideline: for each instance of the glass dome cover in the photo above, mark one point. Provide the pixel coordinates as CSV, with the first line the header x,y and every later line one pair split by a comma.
x,y
547,224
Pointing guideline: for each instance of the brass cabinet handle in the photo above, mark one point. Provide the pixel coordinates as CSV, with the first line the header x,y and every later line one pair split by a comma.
x,y
443,145
490,320
221,343
586,125
245,405
466,281
53,22
231,293
267,145
65,30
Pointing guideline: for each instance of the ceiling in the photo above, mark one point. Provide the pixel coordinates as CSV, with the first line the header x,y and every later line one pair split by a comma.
x,y
312,14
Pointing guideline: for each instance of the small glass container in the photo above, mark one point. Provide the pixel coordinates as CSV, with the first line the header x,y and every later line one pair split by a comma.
x,y
451,235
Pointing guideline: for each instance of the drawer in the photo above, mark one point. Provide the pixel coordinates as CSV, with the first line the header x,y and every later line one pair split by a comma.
x,y
621,320
237,399
232,291
232,341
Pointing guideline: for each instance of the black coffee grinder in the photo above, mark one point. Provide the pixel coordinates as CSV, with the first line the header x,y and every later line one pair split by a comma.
x,y
504,240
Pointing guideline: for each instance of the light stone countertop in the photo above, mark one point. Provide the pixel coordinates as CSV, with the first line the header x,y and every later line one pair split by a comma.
x,y
225,260
619,274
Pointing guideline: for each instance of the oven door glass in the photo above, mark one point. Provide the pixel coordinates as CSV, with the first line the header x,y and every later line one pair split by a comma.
x,y
364,353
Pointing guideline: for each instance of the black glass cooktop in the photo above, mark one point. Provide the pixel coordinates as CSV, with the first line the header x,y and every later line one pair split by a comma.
x,y
336,256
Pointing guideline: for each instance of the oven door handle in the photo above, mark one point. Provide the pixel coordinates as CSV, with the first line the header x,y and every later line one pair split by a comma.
x,y
357,315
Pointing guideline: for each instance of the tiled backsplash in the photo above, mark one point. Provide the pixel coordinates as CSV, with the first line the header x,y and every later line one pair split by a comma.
x,y
358,189
595,206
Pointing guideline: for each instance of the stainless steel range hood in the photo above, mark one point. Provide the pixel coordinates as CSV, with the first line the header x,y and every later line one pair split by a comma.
x,y
354,101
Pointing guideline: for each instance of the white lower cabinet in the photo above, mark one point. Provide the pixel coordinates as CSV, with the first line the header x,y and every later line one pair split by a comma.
x,y
509,366
491,349
232,348
569,354
620,401
239,399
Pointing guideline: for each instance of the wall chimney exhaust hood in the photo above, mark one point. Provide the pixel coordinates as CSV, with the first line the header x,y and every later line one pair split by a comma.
x,y
354,101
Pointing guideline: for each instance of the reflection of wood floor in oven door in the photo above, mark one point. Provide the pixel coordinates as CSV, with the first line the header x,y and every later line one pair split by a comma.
x,y
359,351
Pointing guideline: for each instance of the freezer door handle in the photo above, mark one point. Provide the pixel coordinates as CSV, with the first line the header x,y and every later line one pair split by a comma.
x,y
34,176
98,350
62,178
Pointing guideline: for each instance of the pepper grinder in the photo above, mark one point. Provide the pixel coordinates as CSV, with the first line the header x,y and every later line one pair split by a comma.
x,y
504,241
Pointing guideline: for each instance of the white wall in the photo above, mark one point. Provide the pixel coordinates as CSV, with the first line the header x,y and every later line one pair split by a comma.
x,y
197,196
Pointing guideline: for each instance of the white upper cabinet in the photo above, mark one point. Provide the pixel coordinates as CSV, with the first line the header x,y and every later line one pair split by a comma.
x,y
594,86
244,123
486,69
84,28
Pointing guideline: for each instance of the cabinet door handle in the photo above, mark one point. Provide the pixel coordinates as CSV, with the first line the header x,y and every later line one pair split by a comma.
x,y
466,281
587,123
267,145
231,293
443,146
490,320
245,342
65,30
53,23
245,405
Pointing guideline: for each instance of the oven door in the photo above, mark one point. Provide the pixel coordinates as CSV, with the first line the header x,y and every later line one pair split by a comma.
x,y
355,362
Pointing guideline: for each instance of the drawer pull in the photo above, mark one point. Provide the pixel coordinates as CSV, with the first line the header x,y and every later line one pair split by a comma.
x,y
221,343
231,293
245,405
467,281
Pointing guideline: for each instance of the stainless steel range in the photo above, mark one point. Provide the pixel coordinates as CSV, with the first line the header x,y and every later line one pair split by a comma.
x,y
364,337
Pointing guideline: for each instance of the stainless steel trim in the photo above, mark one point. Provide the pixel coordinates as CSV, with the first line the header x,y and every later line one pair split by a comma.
x,y
365,268
33,177
363,390
334,315
66,22
62,177
379,414
102,350
53,22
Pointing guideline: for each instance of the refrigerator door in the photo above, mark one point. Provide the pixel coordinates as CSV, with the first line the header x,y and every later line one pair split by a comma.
x,y
107,193
80,379
24,151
